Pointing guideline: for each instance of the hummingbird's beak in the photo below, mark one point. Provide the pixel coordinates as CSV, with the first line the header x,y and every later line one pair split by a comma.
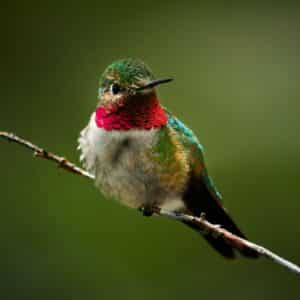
x,y
154,83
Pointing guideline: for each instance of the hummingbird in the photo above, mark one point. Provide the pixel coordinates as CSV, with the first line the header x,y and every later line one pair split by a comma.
x,y
143,156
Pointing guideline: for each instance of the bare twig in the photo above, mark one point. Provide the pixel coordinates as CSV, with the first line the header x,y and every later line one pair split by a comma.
x,y
205,226
231,239
42,153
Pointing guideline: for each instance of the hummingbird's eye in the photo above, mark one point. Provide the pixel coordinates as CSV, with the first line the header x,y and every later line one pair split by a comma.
x,y
115,88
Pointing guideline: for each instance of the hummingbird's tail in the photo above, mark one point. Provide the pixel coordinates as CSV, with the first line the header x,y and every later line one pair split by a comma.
x,y
199,199
218,243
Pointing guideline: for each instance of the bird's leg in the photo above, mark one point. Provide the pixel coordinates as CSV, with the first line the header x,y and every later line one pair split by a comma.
x,y
147,207
147,210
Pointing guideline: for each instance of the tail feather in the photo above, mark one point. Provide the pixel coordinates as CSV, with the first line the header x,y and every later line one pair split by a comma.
x,y
219,244
199,199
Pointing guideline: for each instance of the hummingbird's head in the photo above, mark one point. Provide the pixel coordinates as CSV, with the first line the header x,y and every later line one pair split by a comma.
x,y
125,80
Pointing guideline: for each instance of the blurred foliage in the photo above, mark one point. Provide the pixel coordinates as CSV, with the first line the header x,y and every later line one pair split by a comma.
x,y
237,70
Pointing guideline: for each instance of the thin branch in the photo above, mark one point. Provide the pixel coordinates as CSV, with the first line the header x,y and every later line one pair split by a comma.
x,y
205,226
61,161
231,239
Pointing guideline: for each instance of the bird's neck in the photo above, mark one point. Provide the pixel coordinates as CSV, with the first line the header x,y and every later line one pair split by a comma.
x,y
139,113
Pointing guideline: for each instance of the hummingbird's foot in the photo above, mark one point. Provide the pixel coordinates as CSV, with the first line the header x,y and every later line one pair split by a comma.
x,y
146,210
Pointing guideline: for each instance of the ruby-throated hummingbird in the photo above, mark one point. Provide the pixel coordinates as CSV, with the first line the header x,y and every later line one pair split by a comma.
x,y
144,156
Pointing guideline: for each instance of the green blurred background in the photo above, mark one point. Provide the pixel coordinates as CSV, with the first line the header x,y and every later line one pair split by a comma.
x,y
237,70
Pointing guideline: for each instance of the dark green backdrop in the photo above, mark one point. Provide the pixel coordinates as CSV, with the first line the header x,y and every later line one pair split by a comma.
x,y
237,71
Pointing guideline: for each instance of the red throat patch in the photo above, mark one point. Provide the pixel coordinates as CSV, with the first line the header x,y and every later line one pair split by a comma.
x,y
138,113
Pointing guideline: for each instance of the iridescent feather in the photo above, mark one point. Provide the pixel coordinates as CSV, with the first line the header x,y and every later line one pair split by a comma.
x,y
201,194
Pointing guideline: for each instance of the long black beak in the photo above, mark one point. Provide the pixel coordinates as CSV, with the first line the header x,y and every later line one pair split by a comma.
x,y
154,83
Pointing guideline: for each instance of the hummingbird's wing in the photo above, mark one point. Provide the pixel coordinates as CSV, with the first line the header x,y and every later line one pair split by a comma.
x,y
201,194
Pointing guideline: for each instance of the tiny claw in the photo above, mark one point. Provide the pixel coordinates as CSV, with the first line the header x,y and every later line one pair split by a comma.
x,y
146,210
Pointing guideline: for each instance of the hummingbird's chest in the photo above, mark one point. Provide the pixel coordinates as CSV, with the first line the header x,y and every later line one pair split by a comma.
x,y
120,161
